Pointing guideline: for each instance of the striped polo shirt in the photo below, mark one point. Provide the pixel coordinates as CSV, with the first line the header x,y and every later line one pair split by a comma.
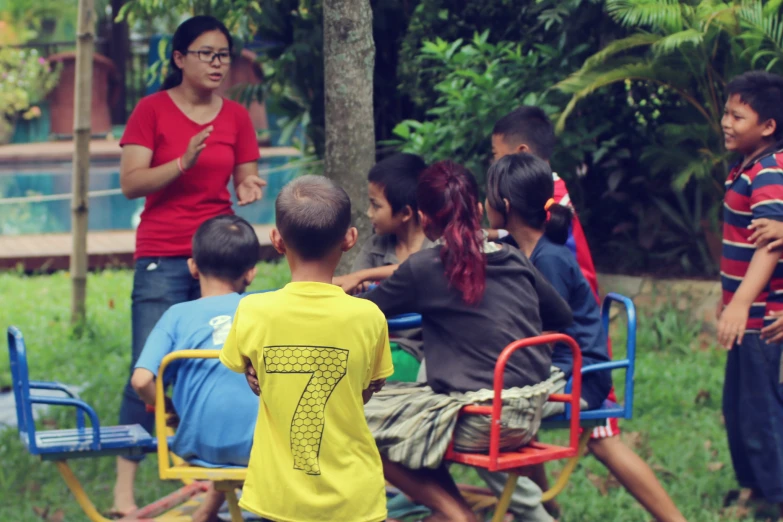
x,y
752,193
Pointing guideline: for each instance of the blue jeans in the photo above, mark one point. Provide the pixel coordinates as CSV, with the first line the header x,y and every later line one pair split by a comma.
x,y
753,409
158,283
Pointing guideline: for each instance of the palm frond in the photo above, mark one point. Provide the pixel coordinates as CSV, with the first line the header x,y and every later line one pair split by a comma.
x,y
679,41
767,25
773,7
584,83
640,39
763,32
659,15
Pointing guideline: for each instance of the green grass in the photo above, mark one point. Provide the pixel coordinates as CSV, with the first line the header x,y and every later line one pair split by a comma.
x,y
677,423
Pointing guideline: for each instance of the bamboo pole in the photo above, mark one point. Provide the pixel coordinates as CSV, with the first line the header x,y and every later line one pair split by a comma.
x,y
85,48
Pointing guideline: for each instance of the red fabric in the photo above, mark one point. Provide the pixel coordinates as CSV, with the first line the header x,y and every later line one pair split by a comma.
x,y
585,261
172,215
583,257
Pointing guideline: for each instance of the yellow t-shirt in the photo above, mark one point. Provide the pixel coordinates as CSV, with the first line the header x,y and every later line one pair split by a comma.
x,y
315,349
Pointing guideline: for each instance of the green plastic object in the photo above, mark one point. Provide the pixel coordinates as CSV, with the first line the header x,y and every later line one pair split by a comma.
x,y
406,367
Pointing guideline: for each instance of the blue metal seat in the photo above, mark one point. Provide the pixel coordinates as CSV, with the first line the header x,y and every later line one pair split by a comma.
x,y
63,444
609,409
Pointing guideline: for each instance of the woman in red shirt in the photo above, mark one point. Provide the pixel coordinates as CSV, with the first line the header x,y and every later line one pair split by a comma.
x,y
181,147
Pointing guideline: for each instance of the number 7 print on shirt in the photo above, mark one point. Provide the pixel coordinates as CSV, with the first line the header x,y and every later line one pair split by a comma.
x,y
327,367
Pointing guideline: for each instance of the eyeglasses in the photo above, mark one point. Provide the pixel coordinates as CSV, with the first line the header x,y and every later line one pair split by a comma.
x,y
223,57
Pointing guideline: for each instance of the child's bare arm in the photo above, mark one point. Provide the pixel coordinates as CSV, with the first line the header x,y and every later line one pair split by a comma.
x,y
766,232
143,381
351,282
733,319
375,387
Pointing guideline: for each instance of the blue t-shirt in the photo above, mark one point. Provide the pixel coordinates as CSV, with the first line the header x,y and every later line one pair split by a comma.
x,y
559,267
216,408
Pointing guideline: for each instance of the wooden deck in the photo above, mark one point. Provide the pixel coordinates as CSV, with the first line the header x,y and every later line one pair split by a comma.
x,y
31,153
110,249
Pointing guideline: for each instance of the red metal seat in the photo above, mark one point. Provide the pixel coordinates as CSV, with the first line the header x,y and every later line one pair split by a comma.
x,y
513,462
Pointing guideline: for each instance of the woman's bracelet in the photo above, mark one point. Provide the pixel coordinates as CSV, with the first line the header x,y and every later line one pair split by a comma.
x,y
179,165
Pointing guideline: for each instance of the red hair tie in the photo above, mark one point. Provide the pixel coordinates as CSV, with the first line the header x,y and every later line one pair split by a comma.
x,y
548,204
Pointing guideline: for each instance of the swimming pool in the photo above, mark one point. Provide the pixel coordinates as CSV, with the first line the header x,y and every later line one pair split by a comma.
x,y
34,199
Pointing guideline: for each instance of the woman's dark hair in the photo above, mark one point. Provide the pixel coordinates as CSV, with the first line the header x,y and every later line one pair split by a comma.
x,y
527,183
185,34
399,176
225,247
448,195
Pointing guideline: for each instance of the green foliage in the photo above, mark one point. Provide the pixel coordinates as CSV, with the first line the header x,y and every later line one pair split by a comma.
x,y
548,22
481,83
25,80
235,14
691,49
25,19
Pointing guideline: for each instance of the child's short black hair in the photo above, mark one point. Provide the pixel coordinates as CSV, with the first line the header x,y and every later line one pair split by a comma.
x,y
312,214
763,92
399,175
225,247
528,125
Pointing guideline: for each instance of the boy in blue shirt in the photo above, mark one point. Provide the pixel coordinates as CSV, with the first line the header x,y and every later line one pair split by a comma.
x,y
210,434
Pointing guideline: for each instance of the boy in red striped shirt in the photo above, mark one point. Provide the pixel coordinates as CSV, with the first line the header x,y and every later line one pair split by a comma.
x,y
752,281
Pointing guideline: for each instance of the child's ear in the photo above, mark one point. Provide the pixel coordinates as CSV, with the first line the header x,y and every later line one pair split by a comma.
x,y
770,126
522,147
507,204
277,241
480,209
250,275
193,268
407,213
351,236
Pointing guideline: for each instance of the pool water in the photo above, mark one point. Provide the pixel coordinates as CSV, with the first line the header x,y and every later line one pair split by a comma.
x,y
107,212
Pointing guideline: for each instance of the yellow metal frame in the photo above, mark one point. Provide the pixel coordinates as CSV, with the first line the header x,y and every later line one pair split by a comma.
x,y
171,467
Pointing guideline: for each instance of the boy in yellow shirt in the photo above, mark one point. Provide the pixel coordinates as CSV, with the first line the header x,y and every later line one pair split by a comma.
x,y
318,354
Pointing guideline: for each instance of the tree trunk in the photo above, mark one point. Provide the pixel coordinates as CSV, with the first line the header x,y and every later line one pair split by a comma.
x,y
85,49
349,61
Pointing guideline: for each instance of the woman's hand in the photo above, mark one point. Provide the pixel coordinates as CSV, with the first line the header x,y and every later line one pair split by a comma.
x,y
766,232
250,189
195,146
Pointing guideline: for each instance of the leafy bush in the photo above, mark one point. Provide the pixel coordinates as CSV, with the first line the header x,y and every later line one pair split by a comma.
x,y
686,51
482,81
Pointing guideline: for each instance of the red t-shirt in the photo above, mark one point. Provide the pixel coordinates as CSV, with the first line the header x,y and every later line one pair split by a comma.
x,y
582,250
172,214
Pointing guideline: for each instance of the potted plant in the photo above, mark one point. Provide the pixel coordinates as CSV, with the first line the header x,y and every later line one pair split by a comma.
x,y
25,81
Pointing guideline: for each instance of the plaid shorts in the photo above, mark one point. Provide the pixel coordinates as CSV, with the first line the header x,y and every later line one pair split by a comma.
x,y
413,426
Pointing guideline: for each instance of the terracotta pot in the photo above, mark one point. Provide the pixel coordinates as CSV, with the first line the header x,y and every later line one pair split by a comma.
x,y
61,100
245,70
